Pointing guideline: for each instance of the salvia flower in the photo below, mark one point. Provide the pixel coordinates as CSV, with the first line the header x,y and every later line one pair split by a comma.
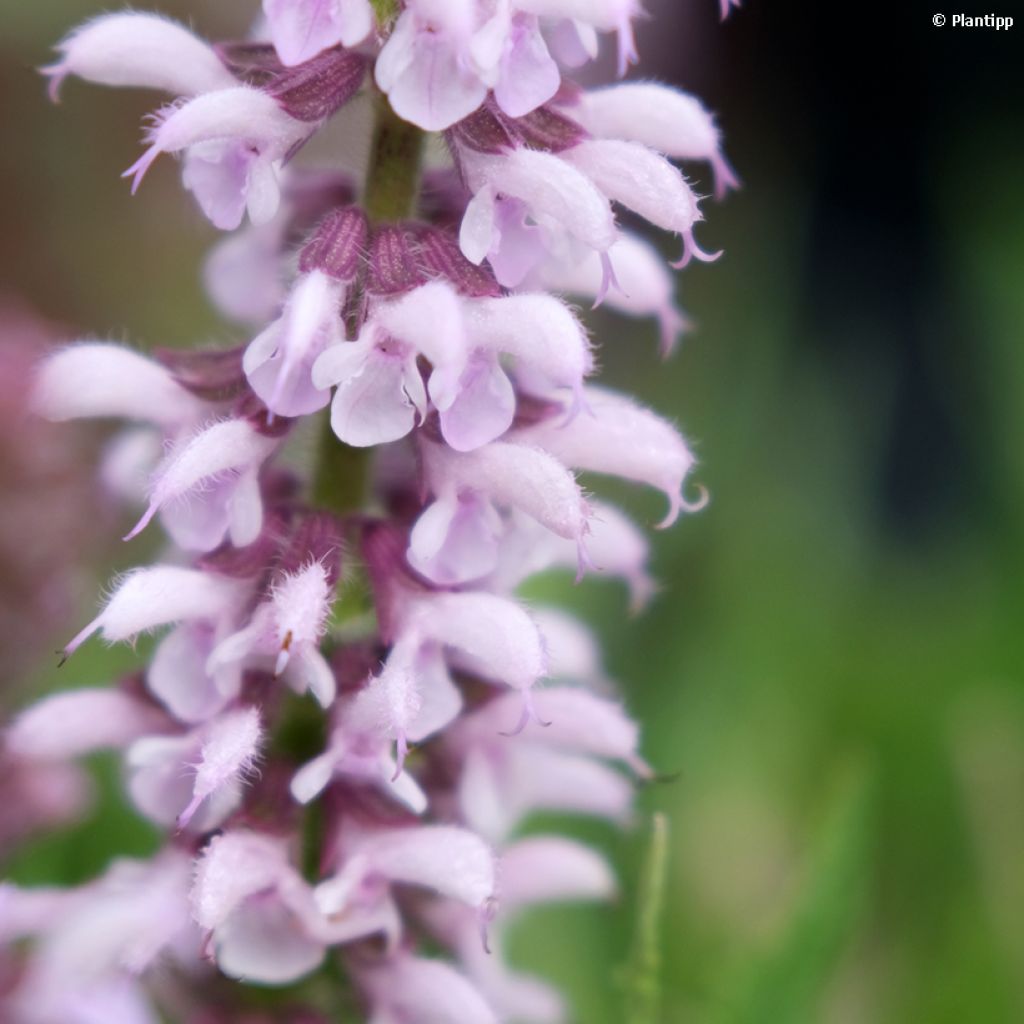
x,y
350,711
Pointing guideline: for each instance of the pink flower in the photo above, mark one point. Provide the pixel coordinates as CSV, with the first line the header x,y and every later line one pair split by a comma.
x,y
400,986
558,766
142,50
455,540
665,119
381,394
623,439
92,947
537,870
286,632
301,29
195,780
161,595
445,710
234,141
279,362
68,725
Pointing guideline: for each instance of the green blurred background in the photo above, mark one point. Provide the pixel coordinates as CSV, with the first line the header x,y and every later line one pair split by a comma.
x,y
831,680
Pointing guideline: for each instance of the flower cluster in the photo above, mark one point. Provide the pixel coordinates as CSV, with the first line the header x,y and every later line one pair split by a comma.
x,y
378,815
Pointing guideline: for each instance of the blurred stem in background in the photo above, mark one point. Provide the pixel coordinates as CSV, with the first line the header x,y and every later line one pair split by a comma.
x,y
642,975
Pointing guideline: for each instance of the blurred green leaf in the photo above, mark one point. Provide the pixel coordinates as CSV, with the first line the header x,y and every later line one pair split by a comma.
x,y
785,985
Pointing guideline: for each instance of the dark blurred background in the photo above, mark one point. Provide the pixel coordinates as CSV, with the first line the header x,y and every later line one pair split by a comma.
x,y
832,679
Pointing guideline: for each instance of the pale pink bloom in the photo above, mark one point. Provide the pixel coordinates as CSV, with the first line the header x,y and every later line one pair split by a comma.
x,y
86,961
486,634
68,725
465,340
573,649
358,750
300,29
278,363
665,119
426,65
134,48
97,379
456,538
646,183
411,698
380,391
450,862
548,347
195,780
285,633
161,595
269,925
540,183
602,15
208,486
234,141
502,783
402,987
242,273
266,923
38,796
645,287
572,43
526,75
178,674
442,58
615,547
537,870
259,910
558,765
623,439
557,197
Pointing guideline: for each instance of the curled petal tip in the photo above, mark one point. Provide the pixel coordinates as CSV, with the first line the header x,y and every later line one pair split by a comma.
x,y
147,518
528,713
55,73
680,504
673,325
608,280
692,251
725,177
584,563
138,170
701,501
488,911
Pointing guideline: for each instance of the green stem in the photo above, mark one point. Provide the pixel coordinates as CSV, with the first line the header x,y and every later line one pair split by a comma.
x,y
393,176
386,11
